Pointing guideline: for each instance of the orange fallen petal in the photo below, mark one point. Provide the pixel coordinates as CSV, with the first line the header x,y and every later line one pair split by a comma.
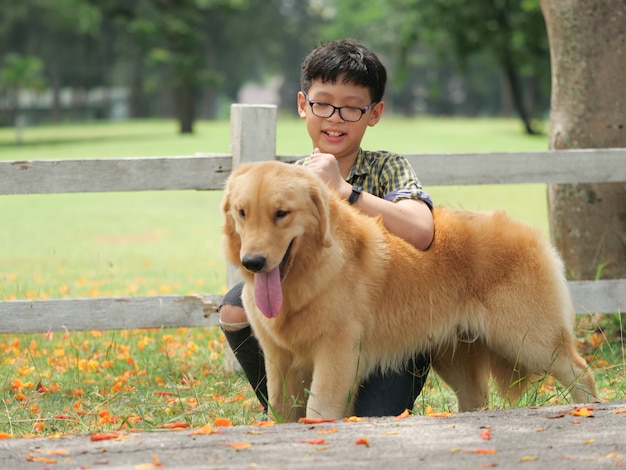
x,y
327,431
164,394
363,441
4,435
104,436
618,412
405,414
582,411
222,422
206,429
315,442
176,425
58,452
240,445
486,434
33,458
480,451
353,419
434,414
266,423
315,420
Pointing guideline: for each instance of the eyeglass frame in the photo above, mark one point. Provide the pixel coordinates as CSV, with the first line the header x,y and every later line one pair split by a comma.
x,y
338,108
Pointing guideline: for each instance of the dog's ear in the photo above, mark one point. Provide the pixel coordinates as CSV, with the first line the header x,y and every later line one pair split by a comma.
x,y
319,196
232,241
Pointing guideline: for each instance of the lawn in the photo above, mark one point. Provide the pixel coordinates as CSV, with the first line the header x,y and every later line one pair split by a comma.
x,y
147,243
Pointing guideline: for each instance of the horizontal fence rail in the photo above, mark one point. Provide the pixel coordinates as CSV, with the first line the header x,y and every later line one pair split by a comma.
x,y
41,316
209,171
253,136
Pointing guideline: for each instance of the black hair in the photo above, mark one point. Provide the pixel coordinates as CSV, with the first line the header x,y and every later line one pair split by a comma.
x,y
348,59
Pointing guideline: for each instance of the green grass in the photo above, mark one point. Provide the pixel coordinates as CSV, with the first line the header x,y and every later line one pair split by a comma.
x,y
147,243
141,243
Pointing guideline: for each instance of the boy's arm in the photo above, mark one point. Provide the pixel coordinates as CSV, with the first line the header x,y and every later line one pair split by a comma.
x,y
410,219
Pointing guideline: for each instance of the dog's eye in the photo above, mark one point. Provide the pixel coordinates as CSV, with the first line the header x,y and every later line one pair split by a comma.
x,y
280,214
242,213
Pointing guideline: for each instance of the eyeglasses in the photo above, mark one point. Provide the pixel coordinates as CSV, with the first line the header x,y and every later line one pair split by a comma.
x,y
346,113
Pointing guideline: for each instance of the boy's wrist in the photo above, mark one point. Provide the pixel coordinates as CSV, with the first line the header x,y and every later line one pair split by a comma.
x,y
357,189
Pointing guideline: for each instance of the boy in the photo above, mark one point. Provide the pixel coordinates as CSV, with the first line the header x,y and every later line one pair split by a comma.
x,y
342,87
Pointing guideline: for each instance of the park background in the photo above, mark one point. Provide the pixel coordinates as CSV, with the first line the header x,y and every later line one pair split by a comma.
x,y
88,79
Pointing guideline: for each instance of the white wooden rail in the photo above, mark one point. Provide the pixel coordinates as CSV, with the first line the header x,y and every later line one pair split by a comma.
x,y
253,138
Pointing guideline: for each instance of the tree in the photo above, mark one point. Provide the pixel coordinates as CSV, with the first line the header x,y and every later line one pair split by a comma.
x,y
510,31
20,73
587,41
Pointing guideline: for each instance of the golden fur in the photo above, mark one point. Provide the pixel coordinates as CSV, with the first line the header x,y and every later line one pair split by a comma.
x,y
487,298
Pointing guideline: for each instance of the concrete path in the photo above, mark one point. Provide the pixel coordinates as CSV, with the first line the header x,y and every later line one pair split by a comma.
x,y
526,438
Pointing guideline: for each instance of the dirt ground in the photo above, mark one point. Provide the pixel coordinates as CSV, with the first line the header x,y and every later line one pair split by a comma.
x,y
562,437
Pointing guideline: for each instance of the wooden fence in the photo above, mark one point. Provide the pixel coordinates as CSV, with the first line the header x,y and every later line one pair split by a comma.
x,y
253,138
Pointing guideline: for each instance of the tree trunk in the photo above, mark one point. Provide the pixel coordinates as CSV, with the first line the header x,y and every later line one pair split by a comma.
x,y
185,108
588,110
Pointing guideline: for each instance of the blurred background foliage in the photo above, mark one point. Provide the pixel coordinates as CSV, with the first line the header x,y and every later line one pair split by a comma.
x,y
73,60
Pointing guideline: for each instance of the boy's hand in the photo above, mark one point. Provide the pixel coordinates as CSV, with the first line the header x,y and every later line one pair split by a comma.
x,y
325,166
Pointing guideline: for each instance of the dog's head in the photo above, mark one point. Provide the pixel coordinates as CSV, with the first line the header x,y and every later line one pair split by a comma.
x,y
272,210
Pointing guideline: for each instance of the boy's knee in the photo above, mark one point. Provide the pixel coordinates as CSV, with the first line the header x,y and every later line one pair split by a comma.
x,y
233,317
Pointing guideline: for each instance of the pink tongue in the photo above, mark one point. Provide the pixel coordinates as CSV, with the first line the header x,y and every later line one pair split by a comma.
x,y
268,293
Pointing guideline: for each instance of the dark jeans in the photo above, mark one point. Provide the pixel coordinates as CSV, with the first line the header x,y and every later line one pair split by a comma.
x,y
387,394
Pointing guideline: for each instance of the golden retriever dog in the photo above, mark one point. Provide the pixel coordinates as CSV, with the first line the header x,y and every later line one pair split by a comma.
x,y
332,296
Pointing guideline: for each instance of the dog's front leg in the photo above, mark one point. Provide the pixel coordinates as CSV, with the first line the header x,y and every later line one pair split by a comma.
x,y
335,383
284,386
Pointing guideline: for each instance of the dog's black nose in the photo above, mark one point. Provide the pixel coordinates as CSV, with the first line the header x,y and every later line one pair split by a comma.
x,y
254,263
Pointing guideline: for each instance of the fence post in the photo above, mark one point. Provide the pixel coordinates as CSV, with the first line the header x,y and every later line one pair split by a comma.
x,y
252,139
252,133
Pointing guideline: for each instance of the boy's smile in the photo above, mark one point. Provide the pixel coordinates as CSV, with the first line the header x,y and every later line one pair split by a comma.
x,y
334,134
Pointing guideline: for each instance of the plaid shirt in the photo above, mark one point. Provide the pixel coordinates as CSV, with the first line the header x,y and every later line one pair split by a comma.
x,y
386,175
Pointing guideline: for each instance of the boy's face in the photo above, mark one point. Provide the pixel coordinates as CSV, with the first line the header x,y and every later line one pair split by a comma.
x,y
333,134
